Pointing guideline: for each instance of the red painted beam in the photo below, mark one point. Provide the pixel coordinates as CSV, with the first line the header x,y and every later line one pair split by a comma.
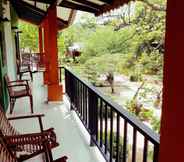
x,y
172,123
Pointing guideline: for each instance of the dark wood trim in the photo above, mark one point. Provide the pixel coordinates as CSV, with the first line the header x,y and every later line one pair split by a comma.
x,y
26,116
74,6
106,1
88,4
42,1
20,4
62,21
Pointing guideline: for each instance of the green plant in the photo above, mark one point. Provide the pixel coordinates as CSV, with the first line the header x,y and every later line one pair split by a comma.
x,y
114,145
146,114
155,122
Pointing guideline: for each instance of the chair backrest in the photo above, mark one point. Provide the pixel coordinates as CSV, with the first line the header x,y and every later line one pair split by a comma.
x,y
5,126
18,63
10,90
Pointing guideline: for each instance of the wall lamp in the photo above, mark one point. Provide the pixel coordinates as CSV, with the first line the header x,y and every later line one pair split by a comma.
x,y
4,19
16,29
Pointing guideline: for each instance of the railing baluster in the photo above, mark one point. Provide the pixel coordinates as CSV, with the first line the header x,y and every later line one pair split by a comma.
x,y
86,107
79,98
80,94
111,134
145,150
96,116
106,117
155,153
117,138
92,115
101,123
125,141
82,103
134,145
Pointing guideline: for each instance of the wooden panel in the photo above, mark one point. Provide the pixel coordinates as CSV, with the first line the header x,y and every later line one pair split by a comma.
x,y
3,71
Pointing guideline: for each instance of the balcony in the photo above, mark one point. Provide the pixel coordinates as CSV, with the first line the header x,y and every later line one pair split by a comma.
x,y
89,126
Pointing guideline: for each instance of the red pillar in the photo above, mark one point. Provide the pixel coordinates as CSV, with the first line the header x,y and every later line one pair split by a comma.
x,y
46,50
51,77
172,123
41,45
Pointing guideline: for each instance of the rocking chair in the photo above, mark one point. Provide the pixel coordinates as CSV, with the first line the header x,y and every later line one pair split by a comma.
x,y
23,69
23,91
13,143
6,154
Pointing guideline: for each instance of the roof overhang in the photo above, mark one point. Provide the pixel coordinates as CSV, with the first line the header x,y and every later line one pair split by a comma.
x,y
34,11
28,11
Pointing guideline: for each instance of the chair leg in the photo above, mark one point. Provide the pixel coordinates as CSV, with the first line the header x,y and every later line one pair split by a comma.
x,y
31,74
20,76
48,154
31,103
12,103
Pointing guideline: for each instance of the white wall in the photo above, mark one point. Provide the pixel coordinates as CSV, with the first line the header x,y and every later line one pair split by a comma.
x,y
9,44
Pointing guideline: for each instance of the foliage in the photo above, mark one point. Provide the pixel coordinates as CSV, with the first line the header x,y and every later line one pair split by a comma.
x,y
28,37
102,65
114,144
61,46
155,122
136,108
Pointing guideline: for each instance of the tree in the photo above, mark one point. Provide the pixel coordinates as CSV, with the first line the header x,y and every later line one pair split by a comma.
x,y
28,37
61,47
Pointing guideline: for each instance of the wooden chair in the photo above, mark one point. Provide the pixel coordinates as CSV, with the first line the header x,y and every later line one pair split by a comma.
x,y
23,69
18,89
13,143
7,156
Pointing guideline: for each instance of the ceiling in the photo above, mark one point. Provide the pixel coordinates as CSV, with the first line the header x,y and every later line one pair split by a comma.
x,y
34,10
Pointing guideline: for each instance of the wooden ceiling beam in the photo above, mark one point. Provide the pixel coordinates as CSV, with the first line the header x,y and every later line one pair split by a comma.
x,y
42,1
107,2
88,3
75,6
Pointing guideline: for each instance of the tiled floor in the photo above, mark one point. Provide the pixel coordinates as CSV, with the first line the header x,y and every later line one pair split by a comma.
x,y
73,139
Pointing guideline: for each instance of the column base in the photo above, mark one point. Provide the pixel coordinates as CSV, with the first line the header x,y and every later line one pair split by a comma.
x,y
55,93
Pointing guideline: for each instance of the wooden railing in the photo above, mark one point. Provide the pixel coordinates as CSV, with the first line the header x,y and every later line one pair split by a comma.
x,y
120,136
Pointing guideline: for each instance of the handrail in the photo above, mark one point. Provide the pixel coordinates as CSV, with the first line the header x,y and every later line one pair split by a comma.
x,y
83,93
132,119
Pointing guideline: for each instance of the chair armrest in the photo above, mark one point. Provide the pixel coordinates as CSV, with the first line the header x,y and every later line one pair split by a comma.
x,y
39,116
48,136
16,85
26,116
15,81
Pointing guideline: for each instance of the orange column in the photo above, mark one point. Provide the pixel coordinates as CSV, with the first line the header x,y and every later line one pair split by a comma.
x,y
172,123
51,77
41,45
46,51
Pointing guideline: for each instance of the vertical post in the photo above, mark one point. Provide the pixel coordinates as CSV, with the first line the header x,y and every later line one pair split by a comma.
x,y
46,50
17,45
54,90
51,77
172,127
93,116
41,45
